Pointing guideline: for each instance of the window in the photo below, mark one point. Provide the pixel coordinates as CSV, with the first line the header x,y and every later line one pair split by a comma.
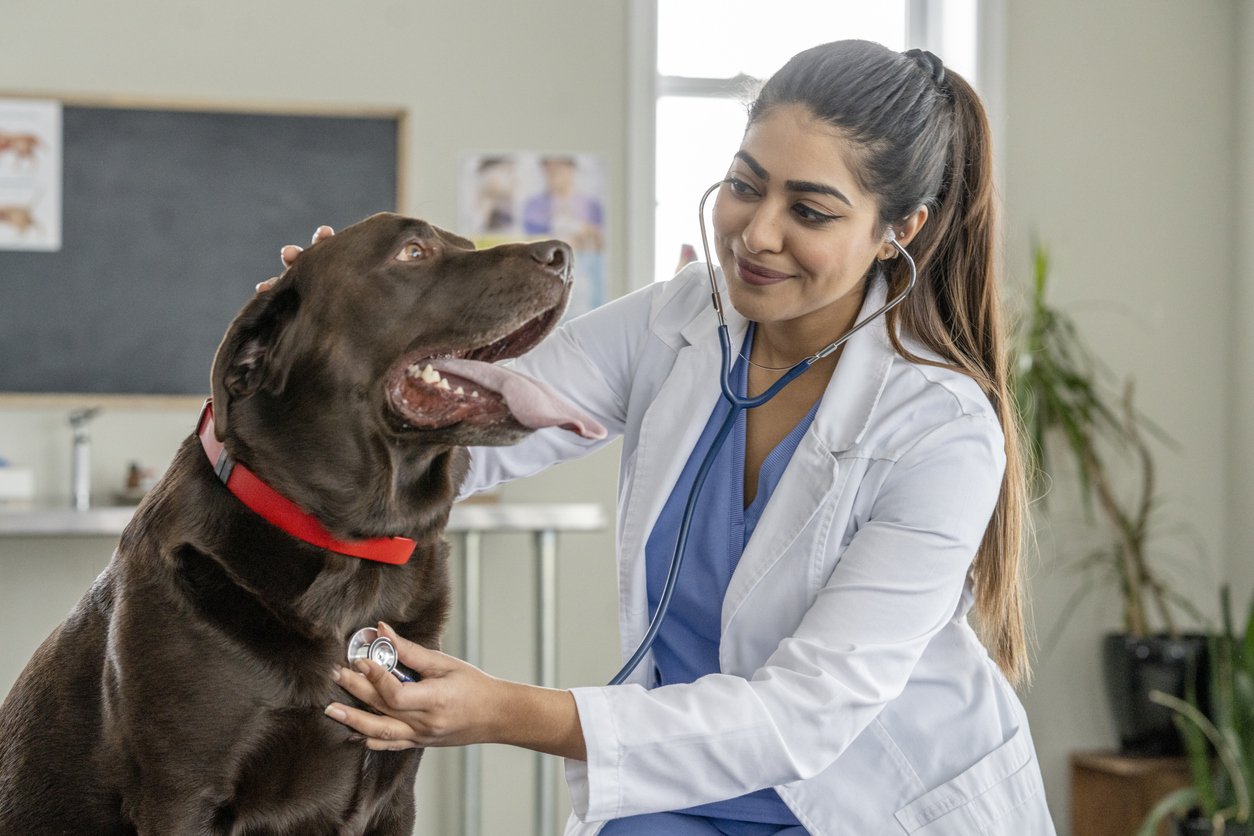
x,y
699,61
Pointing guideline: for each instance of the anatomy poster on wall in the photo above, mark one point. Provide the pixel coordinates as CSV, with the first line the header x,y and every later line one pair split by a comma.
x,y
531,196
30,174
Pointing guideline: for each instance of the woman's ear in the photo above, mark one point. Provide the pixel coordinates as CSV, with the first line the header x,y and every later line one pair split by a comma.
x,y
904,230
245,360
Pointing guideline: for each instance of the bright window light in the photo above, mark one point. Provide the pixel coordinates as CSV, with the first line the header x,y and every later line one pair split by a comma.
x,y
721,38
955,40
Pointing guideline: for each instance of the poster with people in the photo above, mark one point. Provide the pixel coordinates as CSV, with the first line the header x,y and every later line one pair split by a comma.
x,y
30,174
532,196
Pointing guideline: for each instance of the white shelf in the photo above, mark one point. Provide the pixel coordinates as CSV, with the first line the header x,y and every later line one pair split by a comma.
x,y
46,521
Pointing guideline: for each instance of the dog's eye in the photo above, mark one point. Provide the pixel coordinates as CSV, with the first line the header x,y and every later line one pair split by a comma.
x,y
413,251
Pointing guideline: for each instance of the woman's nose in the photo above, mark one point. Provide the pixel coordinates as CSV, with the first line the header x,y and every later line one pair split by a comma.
x,y
763,232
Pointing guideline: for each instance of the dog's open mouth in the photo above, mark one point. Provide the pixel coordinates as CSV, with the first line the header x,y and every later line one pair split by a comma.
x,y
433,390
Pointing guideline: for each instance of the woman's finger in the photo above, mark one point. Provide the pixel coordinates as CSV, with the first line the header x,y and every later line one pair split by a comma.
x,y
425,662
386,688
381,731
380,745
362,687
289,253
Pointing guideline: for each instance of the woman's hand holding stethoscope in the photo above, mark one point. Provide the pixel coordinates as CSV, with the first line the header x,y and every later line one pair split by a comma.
x,y
453,704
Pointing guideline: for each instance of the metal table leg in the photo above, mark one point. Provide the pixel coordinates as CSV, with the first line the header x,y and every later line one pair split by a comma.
x,y
471,651
546,674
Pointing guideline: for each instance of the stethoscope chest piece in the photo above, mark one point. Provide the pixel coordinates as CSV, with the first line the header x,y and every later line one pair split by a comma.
x,y
366,643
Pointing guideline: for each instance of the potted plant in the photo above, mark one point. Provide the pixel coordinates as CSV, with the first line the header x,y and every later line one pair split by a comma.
x,y
1062,400
1220,747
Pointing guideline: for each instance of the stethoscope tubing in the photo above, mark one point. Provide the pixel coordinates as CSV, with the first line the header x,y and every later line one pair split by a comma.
x,y
738,404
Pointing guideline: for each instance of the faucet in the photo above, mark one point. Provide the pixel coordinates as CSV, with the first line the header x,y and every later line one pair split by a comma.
x,y
80,464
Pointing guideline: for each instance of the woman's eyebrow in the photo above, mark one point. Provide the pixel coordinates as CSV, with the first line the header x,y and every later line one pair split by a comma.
x,y
817,188
754,165
792,185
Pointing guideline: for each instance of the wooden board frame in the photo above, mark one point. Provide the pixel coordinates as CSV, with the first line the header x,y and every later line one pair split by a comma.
x,y
56,400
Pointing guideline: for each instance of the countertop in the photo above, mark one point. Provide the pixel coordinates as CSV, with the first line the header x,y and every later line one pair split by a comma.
x,y
50,521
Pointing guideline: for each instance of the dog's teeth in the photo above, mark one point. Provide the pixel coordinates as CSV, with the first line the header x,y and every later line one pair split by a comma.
x,y
474,394
443,384
459,391
430,375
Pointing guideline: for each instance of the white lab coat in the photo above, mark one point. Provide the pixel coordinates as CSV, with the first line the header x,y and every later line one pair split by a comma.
x,y
851,680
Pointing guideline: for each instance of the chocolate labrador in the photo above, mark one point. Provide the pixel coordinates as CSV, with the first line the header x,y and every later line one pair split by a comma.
x,y
184,693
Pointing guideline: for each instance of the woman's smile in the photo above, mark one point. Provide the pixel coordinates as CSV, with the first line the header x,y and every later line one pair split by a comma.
x,y
756,274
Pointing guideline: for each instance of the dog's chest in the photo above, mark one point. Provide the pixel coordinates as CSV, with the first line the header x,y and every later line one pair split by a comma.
x,y
301,769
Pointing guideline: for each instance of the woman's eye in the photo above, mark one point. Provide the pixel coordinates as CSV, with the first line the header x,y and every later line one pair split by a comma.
x,y
740,187
812,215
411,252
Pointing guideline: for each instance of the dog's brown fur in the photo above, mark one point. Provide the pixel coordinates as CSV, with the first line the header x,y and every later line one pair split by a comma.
x,y
185,692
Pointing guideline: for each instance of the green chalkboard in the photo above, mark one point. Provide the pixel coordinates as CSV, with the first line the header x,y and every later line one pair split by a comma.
x,y
170,217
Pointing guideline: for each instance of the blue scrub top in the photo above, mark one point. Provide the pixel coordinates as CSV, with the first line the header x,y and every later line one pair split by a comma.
x,y
688,641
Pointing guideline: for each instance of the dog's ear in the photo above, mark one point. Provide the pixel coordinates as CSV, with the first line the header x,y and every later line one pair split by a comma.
x,y
246,358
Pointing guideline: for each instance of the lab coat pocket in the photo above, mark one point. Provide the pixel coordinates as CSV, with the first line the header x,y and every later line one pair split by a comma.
x,y
975,800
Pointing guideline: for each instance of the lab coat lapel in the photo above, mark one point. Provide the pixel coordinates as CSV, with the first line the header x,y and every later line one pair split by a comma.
x,y
668,433
814,470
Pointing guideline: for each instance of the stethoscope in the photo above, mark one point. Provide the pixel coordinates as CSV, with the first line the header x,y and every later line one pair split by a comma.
x,y
738,404
368,644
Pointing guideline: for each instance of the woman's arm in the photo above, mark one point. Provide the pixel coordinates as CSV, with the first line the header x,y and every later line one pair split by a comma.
x,y
636,751
589,361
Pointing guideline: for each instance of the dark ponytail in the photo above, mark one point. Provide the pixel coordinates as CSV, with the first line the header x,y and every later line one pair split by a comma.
x,y
922,139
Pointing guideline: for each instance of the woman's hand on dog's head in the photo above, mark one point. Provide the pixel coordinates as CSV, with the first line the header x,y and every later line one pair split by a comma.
x,y
288,255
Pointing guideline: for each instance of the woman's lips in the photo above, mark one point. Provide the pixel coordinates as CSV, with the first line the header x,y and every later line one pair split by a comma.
x,y
756,274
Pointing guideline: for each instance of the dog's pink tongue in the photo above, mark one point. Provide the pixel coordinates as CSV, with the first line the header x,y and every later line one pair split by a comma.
x,y
533,403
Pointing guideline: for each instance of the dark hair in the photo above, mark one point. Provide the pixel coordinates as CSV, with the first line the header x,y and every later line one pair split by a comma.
x,y
921,138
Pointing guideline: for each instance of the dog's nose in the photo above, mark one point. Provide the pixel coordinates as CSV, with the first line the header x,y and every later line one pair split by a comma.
x,y
555,257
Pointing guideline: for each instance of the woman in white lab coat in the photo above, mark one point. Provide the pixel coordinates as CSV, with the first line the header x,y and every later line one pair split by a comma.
x,y
817,672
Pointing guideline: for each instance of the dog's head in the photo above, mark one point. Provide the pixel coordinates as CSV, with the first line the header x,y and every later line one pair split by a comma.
x,y
383,339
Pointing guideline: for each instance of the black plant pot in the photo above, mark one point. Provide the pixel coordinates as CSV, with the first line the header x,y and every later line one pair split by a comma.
x,y
1136,666
1202,827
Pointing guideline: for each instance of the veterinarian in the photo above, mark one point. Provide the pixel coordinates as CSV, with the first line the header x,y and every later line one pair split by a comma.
x,y
817,672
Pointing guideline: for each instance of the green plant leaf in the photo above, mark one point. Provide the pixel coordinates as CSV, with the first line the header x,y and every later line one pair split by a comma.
x,y
1221,743
1066,400
1201,769
1174,802
1248,645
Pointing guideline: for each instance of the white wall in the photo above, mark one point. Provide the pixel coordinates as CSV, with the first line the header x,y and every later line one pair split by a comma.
x,y
1120,156
1241,410
474,75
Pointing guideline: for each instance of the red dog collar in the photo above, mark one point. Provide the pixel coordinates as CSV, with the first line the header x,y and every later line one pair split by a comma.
x,y
281,512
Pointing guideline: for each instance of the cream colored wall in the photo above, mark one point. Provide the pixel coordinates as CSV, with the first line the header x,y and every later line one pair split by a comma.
x,y
1119,151
1241,414
1120,156
473,75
